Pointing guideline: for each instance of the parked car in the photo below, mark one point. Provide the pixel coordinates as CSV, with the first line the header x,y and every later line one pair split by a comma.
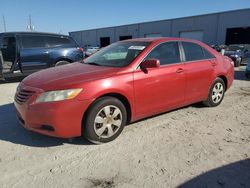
x,y
91,50
27,52
238,53
98,96
216,47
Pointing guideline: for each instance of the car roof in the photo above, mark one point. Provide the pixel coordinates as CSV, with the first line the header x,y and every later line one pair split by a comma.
x,y
34,33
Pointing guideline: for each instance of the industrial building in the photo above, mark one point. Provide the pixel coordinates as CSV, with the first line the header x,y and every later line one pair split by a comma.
x,y
229,27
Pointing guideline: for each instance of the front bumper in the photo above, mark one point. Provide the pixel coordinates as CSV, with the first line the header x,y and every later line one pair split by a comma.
x,y
58,119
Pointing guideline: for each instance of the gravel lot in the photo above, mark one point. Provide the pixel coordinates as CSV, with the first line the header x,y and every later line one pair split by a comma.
x,y
189,147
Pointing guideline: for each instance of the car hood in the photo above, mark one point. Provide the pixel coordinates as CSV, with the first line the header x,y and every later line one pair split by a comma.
x,y
67,76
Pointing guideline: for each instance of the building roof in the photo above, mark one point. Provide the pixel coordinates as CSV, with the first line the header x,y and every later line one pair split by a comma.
x,y
223,12
34,33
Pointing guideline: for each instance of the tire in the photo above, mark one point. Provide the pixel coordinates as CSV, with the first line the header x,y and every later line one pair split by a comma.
x,y
216,93
247,75
237,62
63,62
101,125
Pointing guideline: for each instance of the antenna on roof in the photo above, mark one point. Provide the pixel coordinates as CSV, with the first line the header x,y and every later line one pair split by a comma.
x,y
30,27
4,24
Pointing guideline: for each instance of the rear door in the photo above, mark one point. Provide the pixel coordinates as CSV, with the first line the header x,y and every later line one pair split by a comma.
x,y
199,67
34,53
62,47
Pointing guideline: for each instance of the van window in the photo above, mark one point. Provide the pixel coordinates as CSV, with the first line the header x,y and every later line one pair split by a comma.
x,y
59,41
33,41
8,48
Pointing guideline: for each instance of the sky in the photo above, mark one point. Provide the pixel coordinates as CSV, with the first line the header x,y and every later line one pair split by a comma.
x,y
63,16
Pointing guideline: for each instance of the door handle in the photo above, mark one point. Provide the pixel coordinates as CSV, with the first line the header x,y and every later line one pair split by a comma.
x,y
213,63
180,70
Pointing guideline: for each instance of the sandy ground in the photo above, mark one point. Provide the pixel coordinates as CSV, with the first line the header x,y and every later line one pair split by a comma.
x,y
189,147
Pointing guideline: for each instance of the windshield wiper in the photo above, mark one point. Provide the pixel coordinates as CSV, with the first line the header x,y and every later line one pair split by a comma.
x,y
93,63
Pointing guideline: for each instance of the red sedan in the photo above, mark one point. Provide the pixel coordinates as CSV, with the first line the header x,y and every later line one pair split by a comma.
x,y
122,83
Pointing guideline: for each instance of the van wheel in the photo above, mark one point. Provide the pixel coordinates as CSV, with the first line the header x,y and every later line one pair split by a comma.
x,y
59,63
216,93
105,120
237,63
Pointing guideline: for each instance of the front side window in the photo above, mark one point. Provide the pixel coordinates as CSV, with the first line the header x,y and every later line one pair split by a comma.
x,y
167,53
33,41
118,54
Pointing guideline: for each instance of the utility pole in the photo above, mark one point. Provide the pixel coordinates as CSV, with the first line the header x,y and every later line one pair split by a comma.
x,y
4,24
30,27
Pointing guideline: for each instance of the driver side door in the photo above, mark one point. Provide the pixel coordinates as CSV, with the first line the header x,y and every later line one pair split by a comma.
x,y
160,89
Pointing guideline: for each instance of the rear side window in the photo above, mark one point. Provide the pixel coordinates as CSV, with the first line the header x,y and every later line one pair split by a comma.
x,y
33,41
194,52
59,41
207,54
167,53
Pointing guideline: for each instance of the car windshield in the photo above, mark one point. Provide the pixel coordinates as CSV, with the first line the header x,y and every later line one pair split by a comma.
x,y
118,54
235,47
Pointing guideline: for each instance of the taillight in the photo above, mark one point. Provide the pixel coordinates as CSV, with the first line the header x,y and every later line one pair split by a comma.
x,y
232,63
81,49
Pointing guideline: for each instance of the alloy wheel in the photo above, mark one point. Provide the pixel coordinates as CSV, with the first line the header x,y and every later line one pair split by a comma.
x,y
108,121
218,92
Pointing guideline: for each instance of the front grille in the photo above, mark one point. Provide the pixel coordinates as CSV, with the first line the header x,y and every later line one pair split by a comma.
x,y
23,95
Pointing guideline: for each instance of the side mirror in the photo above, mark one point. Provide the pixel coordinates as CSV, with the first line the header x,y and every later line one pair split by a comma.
x,y
150,63
222,51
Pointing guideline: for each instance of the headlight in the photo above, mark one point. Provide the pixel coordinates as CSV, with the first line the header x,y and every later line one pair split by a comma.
x,y
18,88
235,55
58,95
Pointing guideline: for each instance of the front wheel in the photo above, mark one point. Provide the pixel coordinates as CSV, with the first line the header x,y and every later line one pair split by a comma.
x,y
105,120
216,93
63,62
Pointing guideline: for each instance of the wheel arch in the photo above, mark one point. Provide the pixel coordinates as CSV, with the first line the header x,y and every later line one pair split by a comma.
x,y
62,59
120,97
224,78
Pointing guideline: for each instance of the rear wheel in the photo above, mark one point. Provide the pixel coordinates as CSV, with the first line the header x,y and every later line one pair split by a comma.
x,y
105,120
63,62
237,62
216,93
